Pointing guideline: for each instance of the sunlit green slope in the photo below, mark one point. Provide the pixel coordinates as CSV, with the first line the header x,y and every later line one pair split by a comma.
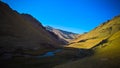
x,y
97,35
104,41
105,56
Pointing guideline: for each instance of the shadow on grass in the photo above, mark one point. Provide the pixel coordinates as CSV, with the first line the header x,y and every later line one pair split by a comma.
x,y
61,57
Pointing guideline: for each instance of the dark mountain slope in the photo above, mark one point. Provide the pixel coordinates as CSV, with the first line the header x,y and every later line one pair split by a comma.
x,y
36,24
18,32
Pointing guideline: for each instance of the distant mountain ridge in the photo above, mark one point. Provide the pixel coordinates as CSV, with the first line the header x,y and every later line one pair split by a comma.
x,y
63,35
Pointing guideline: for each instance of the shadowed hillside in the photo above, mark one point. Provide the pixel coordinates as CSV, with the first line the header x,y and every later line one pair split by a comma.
x,y
22,33
25,43
36,24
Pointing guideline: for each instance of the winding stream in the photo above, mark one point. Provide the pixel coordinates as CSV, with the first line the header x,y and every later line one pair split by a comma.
x,y
49,54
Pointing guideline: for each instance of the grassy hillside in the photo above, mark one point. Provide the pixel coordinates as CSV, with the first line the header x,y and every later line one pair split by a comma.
x,y
97,35
23,40
105,56
17,32
104,42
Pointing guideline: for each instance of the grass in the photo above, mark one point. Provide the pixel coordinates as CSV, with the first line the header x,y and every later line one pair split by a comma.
x,y
104,57
87,44
17,32
66,55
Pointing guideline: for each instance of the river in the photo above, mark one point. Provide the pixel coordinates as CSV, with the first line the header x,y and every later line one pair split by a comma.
x,y
49,54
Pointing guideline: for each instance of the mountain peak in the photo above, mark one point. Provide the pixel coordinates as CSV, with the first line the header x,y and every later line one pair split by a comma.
x,y
49,28
62,34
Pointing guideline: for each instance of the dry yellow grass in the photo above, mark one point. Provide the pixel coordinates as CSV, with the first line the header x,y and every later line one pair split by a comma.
x,y
98,34
86,45
106,55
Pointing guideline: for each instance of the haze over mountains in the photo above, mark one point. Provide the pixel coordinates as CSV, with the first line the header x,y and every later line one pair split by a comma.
x,y
25,43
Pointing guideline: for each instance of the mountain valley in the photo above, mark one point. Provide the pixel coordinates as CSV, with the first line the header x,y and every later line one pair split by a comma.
x,y
26,43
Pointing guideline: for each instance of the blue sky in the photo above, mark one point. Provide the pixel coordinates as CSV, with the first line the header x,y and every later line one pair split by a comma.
x,y
72,15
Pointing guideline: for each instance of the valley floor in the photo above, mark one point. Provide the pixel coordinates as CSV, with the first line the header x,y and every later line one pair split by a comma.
x,y
61,56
